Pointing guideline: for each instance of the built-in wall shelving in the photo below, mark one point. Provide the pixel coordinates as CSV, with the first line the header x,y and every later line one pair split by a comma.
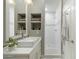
x,y
21,23
35,24
36,21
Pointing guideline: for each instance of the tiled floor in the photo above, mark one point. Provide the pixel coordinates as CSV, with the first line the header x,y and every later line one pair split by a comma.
x,y
50,58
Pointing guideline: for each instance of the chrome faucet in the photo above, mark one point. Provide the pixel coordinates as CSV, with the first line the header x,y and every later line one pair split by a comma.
x,y
22,35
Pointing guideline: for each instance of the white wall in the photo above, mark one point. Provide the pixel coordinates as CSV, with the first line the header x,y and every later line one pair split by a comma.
x,y
70,4
7,20
11,20
36,6
69,48
20,6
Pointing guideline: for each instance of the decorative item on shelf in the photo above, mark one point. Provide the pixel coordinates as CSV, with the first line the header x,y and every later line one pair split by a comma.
x,y
11,44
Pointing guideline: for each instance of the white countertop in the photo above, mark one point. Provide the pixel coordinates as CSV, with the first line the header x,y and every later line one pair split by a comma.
x,y
16,51
29,39
22,51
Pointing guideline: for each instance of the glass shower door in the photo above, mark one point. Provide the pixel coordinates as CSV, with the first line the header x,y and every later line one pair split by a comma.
x,y
52,41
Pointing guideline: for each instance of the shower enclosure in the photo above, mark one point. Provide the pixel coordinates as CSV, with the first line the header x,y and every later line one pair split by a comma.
x,y
60,29
52,41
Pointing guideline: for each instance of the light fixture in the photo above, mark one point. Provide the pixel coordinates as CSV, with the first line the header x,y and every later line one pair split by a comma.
x,y
11,2
28,1
46,9
69,9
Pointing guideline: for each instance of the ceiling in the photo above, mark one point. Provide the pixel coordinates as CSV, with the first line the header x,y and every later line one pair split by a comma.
x,y
51,5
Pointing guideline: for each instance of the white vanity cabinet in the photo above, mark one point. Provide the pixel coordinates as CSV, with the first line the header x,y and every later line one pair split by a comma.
x,y
33,52
36,53
23,53
15,57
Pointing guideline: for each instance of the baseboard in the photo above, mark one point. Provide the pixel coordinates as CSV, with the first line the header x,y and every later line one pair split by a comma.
x,y
51,56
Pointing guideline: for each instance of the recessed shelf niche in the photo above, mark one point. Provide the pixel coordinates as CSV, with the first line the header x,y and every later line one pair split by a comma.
x,y
21,23
35,26
36,21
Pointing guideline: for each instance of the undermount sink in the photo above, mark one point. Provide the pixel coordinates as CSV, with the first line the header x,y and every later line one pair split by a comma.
x,y
28,42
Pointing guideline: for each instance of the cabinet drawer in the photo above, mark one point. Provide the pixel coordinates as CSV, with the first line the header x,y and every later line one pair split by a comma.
x,y
15,57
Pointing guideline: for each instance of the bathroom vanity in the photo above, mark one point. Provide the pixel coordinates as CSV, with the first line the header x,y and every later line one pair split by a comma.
x,y
31,49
